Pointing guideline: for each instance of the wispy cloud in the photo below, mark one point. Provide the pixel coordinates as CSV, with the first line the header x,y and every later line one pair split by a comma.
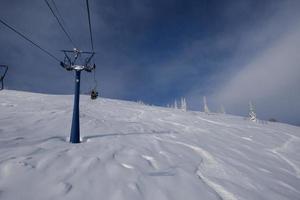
x,y
265,69
271,80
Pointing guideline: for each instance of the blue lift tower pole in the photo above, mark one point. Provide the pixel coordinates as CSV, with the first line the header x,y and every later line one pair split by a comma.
x,y
75,130
70,65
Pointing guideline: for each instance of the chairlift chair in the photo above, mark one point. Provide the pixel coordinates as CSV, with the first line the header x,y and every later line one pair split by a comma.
x,y
94,94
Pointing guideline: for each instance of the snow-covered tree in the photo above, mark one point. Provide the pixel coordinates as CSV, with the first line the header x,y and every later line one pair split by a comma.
x,y
140,102
222,110
205,107
252,113
175,104
183,104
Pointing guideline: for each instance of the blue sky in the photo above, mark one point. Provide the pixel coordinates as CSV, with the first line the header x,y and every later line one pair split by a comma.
x,y
231,51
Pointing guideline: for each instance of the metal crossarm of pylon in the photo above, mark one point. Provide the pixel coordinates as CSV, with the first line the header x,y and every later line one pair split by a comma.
x,y
71,58
71,63
5,67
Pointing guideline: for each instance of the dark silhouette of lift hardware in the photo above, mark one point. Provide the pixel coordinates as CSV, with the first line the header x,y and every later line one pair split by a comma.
x,y
71,63
5,69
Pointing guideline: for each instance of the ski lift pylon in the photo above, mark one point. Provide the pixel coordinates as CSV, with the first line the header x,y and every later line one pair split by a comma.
x,y
5,67
72,63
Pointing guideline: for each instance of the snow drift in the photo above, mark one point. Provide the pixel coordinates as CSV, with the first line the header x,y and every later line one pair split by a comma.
x,y
131,151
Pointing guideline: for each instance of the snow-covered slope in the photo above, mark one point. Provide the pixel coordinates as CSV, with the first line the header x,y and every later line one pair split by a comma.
x,y
134,152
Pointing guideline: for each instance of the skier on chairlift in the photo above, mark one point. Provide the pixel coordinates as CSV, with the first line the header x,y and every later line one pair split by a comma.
x,y
94,94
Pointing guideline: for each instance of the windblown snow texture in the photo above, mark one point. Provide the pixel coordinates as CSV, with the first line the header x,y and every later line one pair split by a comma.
x,y
132,151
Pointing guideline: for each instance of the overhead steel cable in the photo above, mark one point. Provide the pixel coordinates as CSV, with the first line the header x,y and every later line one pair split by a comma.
x,y
60,24
60,16
29,40
90,27
92,44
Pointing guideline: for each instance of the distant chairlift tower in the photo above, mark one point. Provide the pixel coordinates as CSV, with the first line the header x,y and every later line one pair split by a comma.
x,y
2,75
70,64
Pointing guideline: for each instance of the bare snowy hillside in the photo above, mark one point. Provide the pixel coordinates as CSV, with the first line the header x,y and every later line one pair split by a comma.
x,y
134,152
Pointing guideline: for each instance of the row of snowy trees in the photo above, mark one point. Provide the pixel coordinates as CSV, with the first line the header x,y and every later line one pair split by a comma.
x,y
182,105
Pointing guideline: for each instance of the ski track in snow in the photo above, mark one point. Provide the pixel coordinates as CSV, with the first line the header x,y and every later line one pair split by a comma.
x,y
186,128
222,193
208,164
214,122
152,162
279,151
127,166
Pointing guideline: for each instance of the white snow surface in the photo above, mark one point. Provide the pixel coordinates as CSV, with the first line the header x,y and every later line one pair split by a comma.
x,y
134,152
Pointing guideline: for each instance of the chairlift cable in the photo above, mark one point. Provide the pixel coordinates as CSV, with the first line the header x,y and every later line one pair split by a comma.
x,y
60,24
92,43
29,40
95,81
90,26
59,15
